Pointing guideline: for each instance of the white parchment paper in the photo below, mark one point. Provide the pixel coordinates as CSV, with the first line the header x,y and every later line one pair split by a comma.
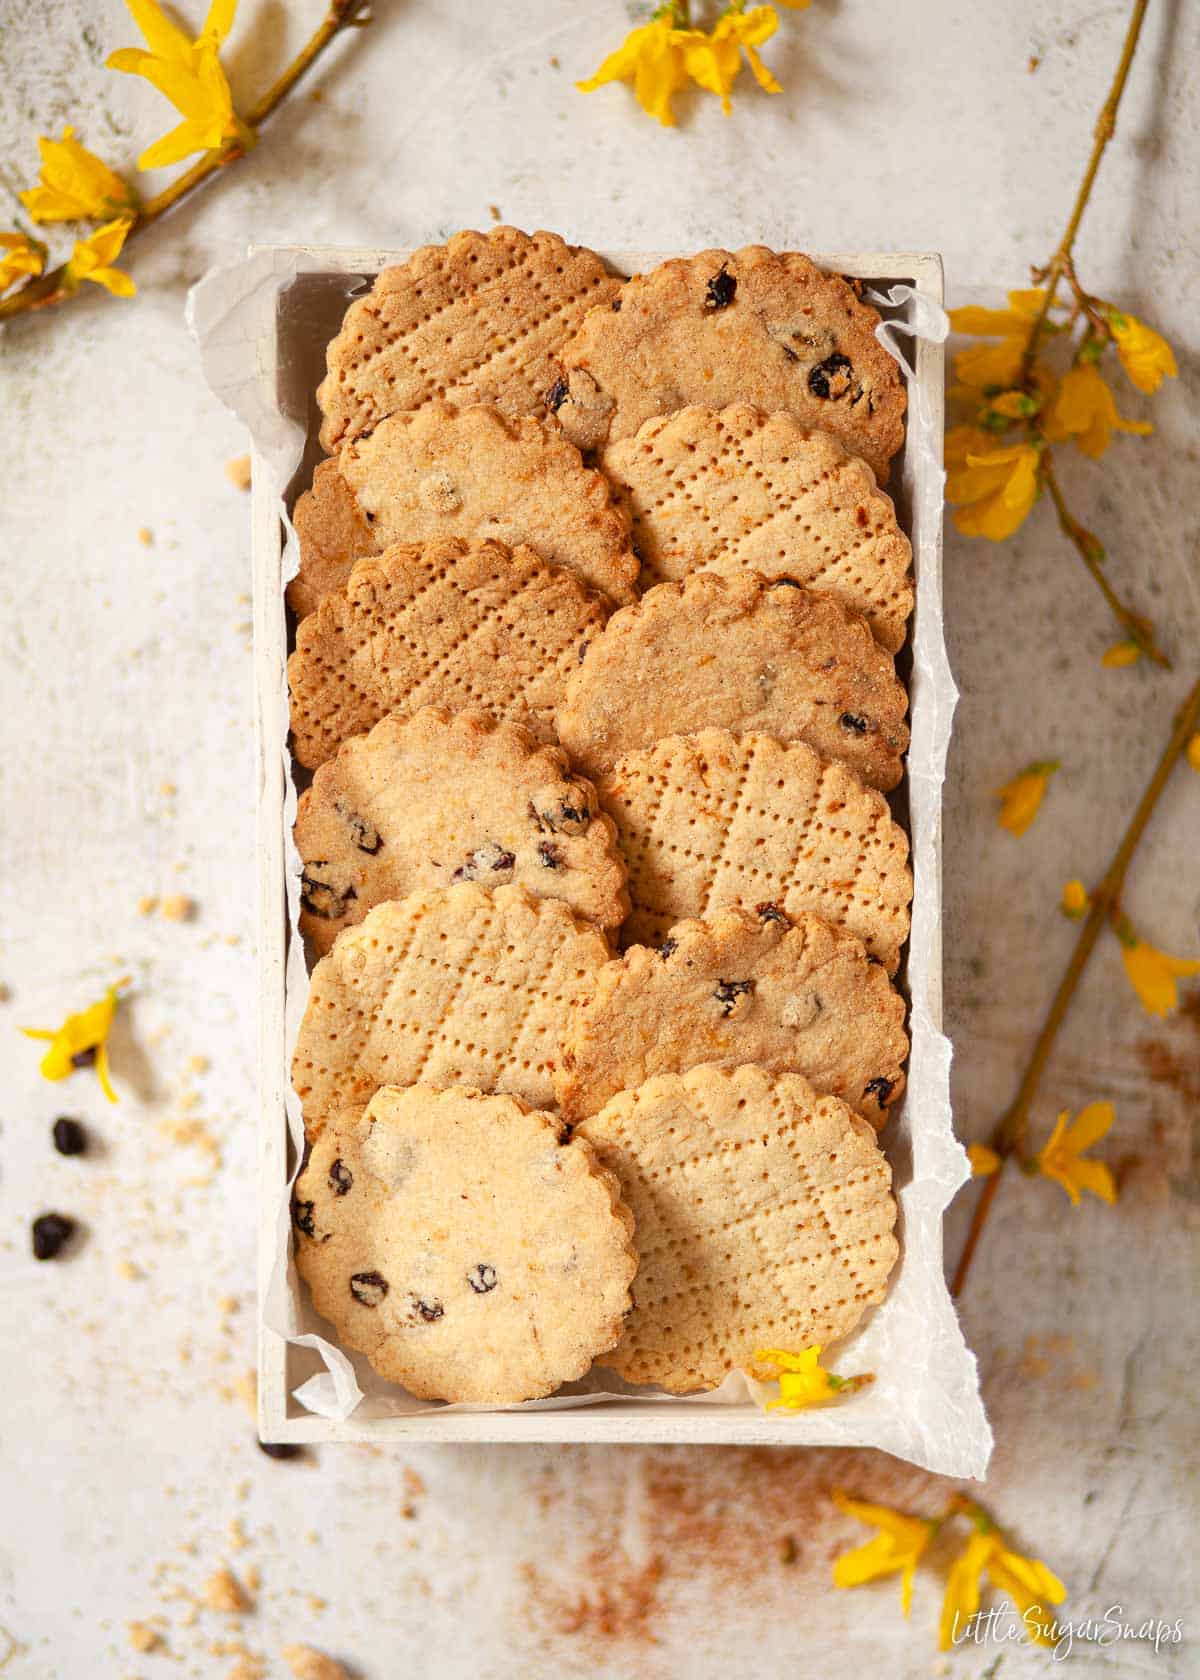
x,y
262,325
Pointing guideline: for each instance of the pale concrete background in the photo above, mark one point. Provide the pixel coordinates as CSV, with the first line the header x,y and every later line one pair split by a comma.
x,y
128,667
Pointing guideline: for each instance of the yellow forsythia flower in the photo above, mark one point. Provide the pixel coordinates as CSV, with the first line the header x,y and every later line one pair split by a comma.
x,y
1075,900
189,74
81,1041
93,257
984,1161
803,1380
1085,410
714,61
1062,1158
1024,794
986,365
17,257
1145,355
1193,752
75,184
993,487
1030,1584
1152,973
899,1545
652,59
1121,654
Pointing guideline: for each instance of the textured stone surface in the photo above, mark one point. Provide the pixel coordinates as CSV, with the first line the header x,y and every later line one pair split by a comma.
x,y
129,666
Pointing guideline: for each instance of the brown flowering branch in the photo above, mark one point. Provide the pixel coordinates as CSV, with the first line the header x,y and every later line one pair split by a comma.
x,y
49,288
1011,1131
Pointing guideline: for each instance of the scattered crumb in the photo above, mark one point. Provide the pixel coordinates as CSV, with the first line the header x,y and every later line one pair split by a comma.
x,y
142,1637
495,210
1034,61
238,1538
554,64
228,1305
145,536
223,1591
188,1100
316,1604
317,97
308,1664
311,1537
178,907
193,1134
167,789
233,939
245,1389
198,1064
5,992
237,471
146,905
127,1270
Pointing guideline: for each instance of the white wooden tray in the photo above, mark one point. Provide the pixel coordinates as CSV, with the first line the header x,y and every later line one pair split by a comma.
x,y
308,275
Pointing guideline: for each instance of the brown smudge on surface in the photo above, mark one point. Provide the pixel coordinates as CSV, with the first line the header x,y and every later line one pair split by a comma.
x,y
1167,1164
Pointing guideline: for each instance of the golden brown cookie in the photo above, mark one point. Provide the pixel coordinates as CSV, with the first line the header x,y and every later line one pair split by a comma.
x,y
479,319
792,994
460,987
713,819
764,1218
450,623
472,472
741,654
738,489
444,797
750,326
463,1244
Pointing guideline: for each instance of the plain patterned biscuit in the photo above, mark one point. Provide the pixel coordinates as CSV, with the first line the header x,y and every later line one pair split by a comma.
x,y
454,987
739,489
479,319
791,994
713,819
721,327
472,472
741,654
447,623
463,1244
764,1218
445,797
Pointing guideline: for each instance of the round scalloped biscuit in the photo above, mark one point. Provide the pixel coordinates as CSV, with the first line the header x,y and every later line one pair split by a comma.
x,y
713,819
793,995
447,623
752,326
470,472
463,1245
738,489
479,319
741,654
764,1218
445,797
457,987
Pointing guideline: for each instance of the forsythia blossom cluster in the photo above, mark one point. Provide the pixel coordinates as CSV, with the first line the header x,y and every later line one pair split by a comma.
x,y
662,56
77,186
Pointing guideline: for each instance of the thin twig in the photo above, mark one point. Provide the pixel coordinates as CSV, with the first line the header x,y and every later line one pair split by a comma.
x,y
1091,552
48,288
1011,1131
1106,124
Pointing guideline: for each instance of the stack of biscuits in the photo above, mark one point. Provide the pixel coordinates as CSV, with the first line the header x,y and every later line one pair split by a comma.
x,y
594,706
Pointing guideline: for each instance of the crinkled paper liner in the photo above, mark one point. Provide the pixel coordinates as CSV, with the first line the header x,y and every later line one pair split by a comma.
x,y
261,326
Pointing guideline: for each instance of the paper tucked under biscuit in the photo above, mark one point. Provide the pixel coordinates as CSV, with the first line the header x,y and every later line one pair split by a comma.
x,y
444,797
461,987
737,489
741,654
448,623
764,1218
794,995
447,472
460,1243
479,319
750,326
713,819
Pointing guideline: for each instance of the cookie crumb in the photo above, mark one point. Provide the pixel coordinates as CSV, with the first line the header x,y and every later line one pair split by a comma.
x,y
130,1272
178,907
237,471
147,905
245,1389
238,1538
224,1592
142,1637
495,211
198,1064
167,789
309,1664
145,536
